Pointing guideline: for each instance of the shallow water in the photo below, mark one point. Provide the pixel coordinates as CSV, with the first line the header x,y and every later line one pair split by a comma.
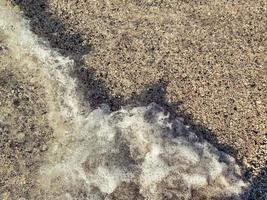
x,y
105,155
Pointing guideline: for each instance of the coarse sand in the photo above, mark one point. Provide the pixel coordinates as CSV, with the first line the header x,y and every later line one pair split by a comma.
x,y
204,61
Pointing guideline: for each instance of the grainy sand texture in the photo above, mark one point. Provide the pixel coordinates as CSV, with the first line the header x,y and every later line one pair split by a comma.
x,y
204,61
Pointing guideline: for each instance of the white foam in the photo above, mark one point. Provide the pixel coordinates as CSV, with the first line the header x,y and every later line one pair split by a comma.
x,y
108,152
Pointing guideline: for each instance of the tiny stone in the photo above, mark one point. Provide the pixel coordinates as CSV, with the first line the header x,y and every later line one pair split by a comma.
x,y
201,92
20,138
184,75
44,147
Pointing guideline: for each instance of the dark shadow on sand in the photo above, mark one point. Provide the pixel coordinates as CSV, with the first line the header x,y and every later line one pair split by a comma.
x,y
258,188
46,25
93,90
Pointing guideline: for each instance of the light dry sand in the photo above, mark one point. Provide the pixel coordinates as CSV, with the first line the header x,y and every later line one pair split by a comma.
x,y
202,60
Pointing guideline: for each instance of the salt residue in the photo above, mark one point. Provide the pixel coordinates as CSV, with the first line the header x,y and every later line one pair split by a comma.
x,y
95,156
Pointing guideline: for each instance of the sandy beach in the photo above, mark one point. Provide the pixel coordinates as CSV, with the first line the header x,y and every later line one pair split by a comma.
x,y
203,61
